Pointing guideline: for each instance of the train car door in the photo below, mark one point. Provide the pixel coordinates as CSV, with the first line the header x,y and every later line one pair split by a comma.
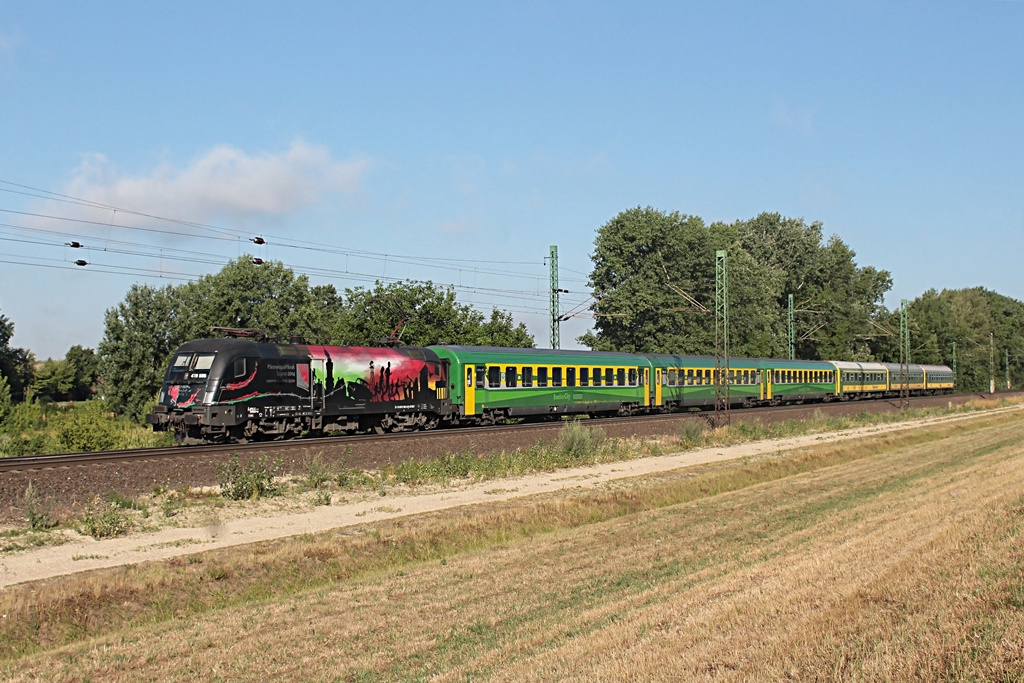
x,y
470,407
317,377
646,381
657,387
766,391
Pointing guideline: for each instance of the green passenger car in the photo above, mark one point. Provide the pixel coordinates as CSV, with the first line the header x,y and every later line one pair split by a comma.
x,y
489,384
788,381
689,381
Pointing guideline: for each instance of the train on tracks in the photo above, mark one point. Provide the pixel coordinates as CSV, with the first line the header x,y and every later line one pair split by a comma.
x,y
241,389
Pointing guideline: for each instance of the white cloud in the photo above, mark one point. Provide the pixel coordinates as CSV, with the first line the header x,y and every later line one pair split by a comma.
x,y
225,182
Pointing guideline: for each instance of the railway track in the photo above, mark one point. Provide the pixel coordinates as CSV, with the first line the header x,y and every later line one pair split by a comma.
x,y
73,478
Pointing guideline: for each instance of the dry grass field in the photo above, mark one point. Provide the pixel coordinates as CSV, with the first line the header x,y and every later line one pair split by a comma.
x,y
893,557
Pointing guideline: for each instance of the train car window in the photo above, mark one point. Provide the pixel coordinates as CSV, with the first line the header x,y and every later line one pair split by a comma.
x,y
673,375
632,377
469,376
181,360
597,377
527,377
689,377
584,377
542,377
493,376
609,376
240,367
510,376
570,377
480,377
203,361
620,377
556,377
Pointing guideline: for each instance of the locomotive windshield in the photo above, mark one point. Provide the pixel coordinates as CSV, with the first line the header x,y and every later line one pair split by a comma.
x,y
188,367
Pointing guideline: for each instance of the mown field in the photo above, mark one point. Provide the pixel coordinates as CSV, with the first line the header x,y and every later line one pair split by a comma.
x,y
893,557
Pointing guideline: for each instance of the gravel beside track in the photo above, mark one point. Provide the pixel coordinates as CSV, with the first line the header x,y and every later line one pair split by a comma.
x,y
66,484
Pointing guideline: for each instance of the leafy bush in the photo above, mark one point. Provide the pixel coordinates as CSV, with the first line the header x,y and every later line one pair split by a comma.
x,y
86,427
353,477
104,519
249,481
578,443
693,433
5,398
321,497
37,516
35,428
318,472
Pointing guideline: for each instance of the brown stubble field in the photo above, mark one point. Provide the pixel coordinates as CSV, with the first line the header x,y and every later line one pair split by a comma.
x,y
895,557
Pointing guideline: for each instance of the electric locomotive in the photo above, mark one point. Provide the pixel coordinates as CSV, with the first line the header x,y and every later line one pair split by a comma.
x,y
236,390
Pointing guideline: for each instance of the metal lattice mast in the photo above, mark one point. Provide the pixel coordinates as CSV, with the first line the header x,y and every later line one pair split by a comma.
x,y
555,309
1006,361
721,337
991,363
792,350
954,366
904,355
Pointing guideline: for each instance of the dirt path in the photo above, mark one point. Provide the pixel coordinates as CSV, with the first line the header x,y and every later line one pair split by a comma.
x,y
83,553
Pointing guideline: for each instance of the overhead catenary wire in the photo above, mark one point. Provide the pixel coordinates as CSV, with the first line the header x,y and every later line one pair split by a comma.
x,y
508,298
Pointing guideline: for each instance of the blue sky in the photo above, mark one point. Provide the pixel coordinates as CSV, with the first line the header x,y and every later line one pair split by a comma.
x,y
487,132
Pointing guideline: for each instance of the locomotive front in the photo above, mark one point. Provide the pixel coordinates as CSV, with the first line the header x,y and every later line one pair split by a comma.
x,y
188,399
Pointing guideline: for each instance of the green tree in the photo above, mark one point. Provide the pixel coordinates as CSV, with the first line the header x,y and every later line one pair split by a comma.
x,y
654,287
243,295
85,366
140,334
966,317
837,303
5,398
423,314
16,365
53,380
